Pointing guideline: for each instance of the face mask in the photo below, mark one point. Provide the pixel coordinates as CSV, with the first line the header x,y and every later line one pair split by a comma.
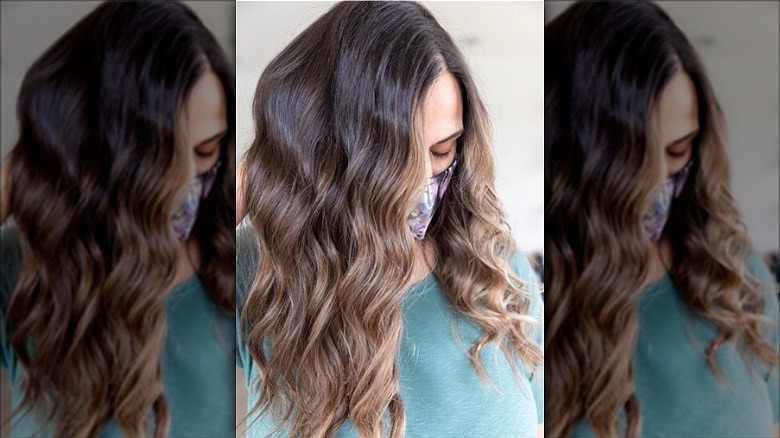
x,y
655,218
421,216
184,217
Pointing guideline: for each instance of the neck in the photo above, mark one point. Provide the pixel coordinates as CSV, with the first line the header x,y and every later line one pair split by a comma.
x,y
660,260
424,261
188,259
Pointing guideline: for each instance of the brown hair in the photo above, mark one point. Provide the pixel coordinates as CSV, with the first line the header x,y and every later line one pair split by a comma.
x,y
100,156
335,166
605,66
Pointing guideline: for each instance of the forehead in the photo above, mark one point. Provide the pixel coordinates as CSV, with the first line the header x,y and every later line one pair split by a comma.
x,y
442,109
678,109
206,108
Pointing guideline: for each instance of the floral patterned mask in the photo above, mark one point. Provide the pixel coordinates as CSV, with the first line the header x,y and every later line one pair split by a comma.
x,y
185,215
655,218
421,216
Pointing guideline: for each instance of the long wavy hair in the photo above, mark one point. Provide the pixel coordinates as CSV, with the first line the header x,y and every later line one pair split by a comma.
x,y
605,66
100,164
335,166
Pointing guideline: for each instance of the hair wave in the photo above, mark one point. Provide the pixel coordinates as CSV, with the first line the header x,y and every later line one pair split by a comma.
x,y
335,166
100,157
605,67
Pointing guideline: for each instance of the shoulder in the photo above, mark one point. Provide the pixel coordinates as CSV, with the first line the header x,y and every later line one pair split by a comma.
x,y
759,269
532,285
523,267
768,284
766,281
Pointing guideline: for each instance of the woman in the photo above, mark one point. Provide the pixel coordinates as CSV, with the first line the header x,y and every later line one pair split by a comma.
x,y
117,281
381,292
660,320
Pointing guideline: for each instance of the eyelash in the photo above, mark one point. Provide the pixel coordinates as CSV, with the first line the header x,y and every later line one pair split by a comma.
x,y
439,155
676,154
691,146
207,154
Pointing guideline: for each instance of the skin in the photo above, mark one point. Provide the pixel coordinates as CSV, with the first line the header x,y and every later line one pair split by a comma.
x,y
678,123
442,115
206,116
206,113
678,119
442,111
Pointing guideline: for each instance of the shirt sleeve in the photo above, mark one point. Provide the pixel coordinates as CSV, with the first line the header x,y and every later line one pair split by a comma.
x,y
769,285
536,309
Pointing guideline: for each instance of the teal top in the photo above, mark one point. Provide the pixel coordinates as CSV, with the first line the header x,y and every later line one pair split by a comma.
x,y
678,394
442,395
198,360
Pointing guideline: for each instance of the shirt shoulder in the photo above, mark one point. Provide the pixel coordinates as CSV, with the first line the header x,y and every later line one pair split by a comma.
x,y
759,269
769,285
533,286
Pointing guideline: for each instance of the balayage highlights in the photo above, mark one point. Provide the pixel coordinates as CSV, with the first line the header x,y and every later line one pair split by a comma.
x,y
605,67
102,161
334,169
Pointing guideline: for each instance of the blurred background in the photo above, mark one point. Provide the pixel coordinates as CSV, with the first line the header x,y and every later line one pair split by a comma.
x,y
739,44
27,29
